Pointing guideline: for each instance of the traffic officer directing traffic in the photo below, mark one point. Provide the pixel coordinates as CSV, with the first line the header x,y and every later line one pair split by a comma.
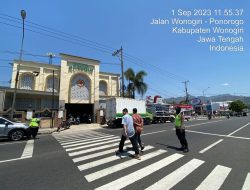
x,y
34,126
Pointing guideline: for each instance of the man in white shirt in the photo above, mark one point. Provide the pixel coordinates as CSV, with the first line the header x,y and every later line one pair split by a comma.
x,y
128,132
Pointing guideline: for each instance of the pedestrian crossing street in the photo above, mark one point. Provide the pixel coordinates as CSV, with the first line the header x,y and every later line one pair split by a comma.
x,y
94,155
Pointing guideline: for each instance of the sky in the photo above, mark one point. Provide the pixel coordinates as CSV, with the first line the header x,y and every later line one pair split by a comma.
x,y
95,28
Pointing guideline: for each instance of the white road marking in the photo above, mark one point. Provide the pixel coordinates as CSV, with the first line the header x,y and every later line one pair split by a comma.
x,y
95,144
246,185
215,179
139,174
84,140
28,150
105,160
175,177
218,135
94,149
203,123
89,156
212,145
13,143
144,134
110,170
80,137
238,129
89,142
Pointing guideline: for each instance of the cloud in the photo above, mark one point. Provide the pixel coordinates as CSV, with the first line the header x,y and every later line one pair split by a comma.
x,y
225,84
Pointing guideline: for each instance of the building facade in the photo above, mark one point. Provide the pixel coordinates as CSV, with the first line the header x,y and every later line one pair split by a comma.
x,y
76,86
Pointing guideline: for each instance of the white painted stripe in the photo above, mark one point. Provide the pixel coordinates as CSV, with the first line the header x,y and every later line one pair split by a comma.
x,y
203,123
28,150
82,158
139,174
95,144
80,137
213,134
94,149
15,159
104,160
246,185
144,134
67,136
209,147
84,140
13,143
107,171
238,129
215,179
175,177
89,142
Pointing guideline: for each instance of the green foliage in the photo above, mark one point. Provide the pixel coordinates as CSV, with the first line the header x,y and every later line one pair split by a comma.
x,y
237,106
136,82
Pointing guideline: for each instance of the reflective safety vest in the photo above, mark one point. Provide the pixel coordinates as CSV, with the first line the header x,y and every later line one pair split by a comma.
x,y
34,122
178,121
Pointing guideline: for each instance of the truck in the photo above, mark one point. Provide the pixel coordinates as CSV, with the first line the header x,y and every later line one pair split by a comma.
x,y
161,112
115,105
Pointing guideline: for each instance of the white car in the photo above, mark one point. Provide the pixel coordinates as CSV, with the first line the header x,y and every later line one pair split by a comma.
x,y
13,130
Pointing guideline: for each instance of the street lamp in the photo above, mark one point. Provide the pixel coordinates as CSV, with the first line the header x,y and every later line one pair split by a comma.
x,y
23,15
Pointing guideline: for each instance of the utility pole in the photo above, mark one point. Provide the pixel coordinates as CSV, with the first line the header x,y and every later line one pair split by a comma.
x,y
185,82
119,52
23,15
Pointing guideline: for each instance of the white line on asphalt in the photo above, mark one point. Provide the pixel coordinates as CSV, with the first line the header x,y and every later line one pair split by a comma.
x,y
246,185
80,136
28,150
213,134
89,142
215,179
95,155
238,129
13,159
106,160
212,145
13,143
94,149
203,123
95,144
84,140
107,171
175,177
144,134
139,174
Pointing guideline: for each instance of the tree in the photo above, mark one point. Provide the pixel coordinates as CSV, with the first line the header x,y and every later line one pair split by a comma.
x,y
136,82
237,106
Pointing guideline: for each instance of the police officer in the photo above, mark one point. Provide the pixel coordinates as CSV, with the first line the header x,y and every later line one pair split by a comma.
x,y
34,126
180,130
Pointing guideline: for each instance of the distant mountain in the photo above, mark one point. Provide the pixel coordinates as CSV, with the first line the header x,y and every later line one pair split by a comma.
x,y
218,98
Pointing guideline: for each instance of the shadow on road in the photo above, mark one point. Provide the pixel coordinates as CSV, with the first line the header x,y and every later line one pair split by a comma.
x,y
170,147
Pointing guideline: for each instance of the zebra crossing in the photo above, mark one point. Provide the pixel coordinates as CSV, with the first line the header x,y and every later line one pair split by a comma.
x,y
94,155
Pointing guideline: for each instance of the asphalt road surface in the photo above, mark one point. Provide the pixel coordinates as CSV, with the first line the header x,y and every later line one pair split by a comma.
x,y
219,158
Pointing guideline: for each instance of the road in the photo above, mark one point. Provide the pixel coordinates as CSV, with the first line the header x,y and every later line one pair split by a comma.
x,y
219,158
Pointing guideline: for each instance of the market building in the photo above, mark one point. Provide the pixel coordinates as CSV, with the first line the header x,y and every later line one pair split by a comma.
x,y
76,86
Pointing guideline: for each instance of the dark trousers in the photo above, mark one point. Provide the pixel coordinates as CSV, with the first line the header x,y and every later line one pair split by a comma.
x,y
34,131
182,137
138,138
133,141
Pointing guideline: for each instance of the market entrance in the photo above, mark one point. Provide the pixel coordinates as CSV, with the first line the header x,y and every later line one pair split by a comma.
x,y
84,111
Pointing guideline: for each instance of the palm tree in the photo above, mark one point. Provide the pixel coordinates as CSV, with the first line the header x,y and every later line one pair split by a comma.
x,y
136,82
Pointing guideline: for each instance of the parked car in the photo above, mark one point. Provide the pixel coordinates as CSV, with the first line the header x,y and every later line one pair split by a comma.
x,y
13,130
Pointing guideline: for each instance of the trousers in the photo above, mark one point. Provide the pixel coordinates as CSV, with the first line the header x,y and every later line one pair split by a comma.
x,y
133,141
182,137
